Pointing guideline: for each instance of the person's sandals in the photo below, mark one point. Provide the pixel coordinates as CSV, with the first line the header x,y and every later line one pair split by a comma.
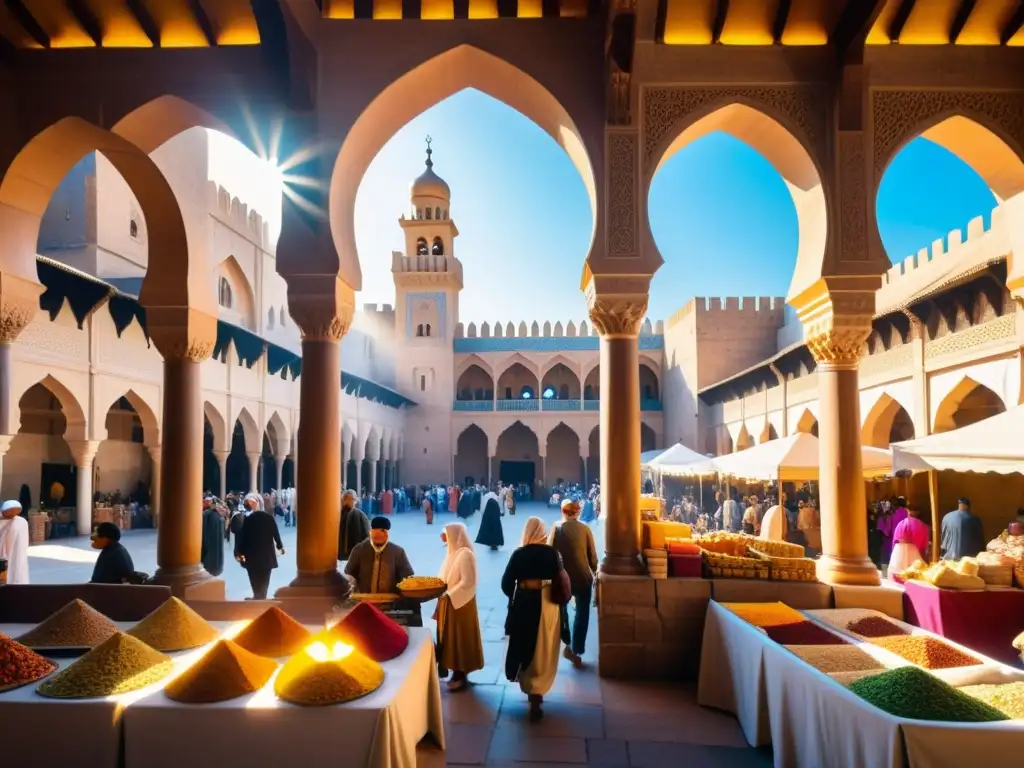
x,y
536,713
458,684
577,661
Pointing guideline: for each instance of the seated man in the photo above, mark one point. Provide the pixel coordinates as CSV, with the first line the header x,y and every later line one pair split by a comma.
x,y
376,566
114,565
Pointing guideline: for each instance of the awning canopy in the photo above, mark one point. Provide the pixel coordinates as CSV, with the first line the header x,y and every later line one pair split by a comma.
x,y
677,460
793,458
991,445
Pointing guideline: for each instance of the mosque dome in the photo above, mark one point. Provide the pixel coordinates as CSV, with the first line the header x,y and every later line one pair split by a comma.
x,y
429,184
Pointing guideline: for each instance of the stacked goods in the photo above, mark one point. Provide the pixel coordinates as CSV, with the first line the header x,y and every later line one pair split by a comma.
x,y
225,672
1010,544
875,626
322,675
916,695
370,632
657,563
926,652
786,568
995,570
654,533
723,543
776,548
681,546
836,659
120,664
76,625
718,565
20,665
174,627
764,614
803,633
946,574
273,634
1008,698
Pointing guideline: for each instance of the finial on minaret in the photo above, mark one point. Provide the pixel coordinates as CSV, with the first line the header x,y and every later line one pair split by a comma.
x,y
430,163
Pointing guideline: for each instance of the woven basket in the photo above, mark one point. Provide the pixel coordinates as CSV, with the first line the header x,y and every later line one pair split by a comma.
x,y
996,575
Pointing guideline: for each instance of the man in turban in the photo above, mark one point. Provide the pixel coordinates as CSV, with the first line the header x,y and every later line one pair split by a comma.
x,y
14,542
377,565
354,527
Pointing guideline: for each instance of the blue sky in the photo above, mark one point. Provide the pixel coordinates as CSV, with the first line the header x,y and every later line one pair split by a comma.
x,y
720,214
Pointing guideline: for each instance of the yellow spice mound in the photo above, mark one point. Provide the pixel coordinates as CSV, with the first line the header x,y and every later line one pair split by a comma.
x,y
310,683
174,627
76,625
273,634
765,614
118,665
224,672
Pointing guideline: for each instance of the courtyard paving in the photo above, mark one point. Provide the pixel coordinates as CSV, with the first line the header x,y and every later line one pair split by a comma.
x,y
588,721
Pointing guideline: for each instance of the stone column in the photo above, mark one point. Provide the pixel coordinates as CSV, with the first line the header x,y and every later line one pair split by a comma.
x,y
185,337
617,318
324,313
372,475
279,470
83,452
19,303
222,463
254,470
154,483
837,323
5,444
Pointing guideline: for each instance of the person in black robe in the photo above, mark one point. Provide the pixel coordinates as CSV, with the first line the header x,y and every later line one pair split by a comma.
x,y
212,552
466,507
490,533
114,565
254,548
354,526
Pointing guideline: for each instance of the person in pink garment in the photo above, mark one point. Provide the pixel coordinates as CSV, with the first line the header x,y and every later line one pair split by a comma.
x,y
911,530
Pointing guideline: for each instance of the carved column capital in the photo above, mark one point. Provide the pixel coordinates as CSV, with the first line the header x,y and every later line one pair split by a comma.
x,y
83,451
619,313
837,313
182,333
19,302
322,305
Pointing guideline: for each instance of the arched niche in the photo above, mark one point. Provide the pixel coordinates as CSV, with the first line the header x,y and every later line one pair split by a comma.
x,y
967,403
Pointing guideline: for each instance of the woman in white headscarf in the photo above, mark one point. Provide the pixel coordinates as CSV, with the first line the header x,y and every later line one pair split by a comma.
x,y
14,542
534,623
459,645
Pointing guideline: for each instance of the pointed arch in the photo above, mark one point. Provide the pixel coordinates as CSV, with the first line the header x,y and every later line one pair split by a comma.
x,y
882,419
250,431
807,422
372,444
242,309
278,429
469,361
74,413
744,440
967,403
503,368
159,120
555,360
147,415
423,86
768,433
218,426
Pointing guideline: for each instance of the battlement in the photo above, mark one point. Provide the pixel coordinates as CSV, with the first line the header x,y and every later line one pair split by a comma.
x,y
237,215
763,309
535,330
379,310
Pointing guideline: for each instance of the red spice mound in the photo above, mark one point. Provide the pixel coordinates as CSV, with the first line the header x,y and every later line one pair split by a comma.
x,y
273,634
372,633
803,633
875,626
20,665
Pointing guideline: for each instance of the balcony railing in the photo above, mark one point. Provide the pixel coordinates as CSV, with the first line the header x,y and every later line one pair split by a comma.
x,y
591,405
473,405
572,404
517,404
650,404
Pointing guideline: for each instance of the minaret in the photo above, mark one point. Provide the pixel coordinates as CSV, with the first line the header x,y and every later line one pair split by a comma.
x,y
428,279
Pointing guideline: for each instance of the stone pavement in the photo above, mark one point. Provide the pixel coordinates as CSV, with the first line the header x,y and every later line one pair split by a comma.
x,y
588,721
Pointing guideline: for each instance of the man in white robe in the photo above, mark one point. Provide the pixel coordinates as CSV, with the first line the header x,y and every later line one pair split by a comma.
x,y
14,542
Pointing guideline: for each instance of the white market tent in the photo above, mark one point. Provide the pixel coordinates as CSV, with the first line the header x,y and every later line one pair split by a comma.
x,y
648,456
678,460
991,445
793,458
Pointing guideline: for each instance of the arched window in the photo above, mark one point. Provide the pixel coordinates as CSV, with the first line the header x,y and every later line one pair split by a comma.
x,y
438,248
224,297
421,247
423,383
282,317
563,392
446,214
429,211
526,393
133,228
419,330
419,214
426,329
437,214
549,393
270,320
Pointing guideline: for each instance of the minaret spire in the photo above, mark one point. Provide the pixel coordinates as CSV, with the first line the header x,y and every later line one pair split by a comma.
x,y
430,163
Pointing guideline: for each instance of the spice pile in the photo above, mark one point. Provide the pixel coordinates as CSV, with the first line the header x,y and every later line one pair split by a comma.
x,y
1008,698
338,675
926,652
875,626
120,664
224,672
76,625
765,614
273,634
803,633
836,658
371,633
20,665
914,694
174,627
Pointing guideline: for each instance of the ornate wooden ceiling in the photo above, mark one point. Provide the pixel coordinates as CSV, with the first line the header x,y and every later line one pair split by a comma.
x,y
458,9
817,22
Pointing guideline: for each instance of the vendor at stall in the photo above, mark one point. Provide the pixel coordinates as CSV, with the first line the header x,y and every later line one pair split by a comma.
x,y
376,564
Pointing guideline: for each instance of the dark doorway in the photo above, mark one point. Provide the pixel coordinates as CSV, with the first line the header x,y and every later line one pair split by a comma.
x,y
516,472
58,473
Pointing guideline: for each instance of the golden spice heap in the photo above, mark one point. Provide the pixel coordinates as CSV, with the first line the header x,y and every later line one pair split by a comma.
x,y
416,583
120,664
1008,698
273,634
225,672
174,627
76,625
926,652
322,675
765,614
836,658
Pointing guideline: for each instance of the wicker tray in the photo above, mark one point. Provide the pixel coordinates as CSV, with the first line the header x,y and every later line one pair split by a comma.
x,y
424,595
375,597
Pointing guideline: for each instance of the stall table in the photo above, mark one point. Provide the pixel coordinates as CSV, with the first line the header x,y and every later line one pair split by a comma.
x,y
985,621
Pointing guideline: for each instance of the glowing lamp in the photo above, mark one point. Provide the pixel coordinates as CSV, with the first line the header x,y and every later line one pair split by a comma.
x,y
320,652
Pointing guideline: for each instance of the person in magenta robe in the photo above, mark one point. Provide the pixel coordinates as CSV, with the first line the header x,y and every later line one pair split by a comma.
x,y
387,502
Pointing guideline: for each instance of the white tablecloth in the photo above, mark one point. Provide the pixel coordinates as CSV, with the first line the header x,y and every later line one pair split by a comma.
x,y
380,730
732,672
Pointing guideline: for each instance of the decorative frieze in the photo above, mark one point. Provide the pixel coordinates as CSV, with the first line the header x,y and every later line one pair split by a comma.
x,y
622,192
1002,329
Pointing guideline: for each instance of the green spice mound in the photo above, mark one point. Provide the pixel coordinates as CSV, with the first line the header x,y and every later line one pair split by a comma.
x,y
118,665
916,695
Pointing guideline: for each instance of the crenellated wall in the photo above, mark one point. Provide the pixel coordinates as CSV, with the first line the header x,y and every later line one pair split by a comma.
x,y
570,330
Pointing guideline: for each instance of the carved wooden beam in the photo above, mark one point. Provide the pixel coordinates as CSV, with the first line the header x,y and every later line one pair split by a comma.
x,y
28,22
855,22
900,19
87,19
1013,25
781,17
203,19
721,11
963,13
138,10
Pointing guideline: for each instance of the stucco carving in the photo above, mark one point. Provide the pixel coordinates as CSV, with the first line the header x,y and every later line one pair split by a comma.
x,y
968,340
17,308
899,116
666,107
839,345
853,191
182,333
617,315
322,320
622,181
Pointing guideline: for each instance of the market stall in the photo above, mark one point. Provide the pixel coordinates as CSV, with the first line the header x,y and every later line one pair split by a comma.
x,y
793,458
